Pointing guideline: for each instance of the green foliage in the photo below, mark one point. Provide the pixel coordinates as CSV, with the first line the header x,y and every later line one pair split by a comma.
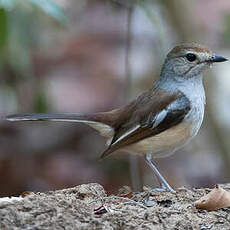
x,y
40,104
126,3
21,23
226,34
8,4
49,7
3,30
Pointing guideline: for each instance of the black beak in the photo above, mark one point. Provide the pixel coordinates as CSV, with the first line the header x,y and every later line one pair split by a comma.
x,y
218,58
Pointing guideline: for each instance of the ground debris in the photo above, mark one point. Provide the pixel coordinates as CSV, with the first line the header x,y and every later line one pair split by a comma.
x,y
88,207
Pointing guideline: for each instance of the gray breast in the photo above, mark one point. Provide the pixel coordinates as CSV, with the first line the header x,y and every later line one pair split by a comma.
x,y
196,95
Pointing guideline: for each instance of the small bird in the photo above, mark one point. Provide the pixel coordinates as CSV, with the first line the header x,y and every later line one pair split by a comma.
x,y
161,119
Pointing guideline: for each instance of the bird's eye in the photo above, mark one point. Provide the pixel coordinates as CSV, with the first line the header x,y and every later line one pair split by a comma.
x,y
191,57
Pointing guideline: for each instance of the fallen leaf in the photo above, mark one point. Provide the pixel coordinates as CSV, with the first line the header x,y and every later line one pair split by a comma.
x,y
26,193
216,199
125,191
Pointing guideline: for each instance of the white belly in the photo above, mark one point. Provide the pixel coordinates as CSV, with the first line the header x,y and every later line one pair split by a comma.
x,y
164,143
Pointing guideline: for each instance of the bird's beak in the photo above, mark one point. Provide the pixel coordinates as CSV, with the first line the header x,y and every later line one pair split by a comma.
x,y
217,58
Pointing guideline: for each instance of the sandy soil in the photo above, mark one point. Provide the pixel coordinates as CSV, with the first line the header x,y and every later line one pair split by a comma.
x,y
88,207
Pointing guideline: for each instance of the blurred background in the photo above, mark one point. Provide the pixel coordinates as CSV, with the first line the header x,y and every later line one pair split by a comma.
x,y
89,56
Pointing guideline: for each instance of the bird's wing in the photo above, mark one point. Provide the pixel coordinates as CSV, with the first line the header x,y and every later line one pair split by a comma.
x,y
150,118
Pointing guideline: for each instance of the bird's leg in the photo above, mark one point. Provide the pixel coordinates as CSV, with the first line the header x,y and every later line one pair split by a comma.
x,y
164,184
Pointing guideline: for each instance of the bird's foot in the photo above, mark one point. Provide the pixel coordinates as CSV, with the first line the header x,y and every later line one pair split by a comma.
x,y
163,188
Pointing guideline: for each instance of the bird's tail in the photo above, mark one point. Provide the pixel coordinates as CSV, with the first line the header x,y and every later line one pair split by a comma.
x,y
97,121
49,117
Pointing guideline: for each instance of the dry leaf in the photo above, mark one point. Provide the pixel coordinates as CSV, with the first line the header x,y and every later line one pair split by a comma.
x,y
216,199
26,193
125,191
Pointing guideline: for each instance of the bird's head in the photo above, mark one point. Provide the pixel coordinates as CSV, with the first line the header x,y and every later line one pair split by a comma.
x,y
190,60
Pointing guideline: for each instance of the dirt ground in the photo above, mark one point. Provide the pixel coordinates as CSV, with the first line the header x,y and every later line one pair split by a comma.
x,y
88,207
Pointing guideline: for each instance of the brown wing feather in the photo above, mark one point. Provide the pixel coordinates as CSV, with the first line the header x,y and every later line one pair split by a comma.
x,y
143,111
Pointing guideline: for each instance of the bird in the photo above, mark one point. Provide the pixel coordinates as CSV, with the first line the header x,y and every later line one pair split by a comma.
x,y
161,119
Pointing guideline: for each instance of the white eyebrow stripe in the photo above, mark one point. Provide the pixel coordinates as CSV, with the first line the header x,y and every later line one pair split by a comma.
x,y
127,133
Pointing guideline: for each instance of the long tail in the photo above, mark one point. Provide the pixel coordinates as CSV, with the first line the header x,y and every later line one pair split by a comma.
x,y
51,117
97,121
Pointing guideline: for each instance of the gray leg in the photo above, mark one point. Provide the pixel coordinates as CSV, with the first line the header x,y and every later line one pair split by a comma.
x,y
164,184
